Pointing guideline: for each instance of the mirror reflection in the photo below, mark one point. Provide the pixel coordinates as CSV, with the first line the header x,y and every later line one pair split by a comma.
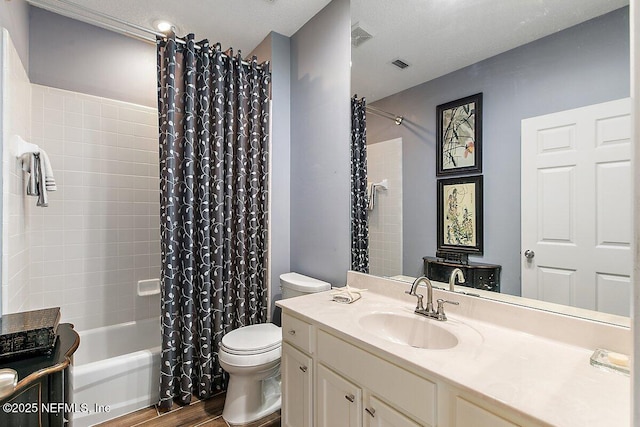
x,y
532,62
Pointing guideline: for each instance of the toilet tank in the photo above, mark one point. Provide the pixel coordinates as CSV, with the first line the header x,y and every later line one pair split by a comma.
x,y
294,284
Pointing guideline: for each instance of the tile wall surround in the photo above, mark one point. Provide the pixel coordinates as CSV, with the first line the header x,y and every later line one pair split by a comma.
x,y
384,161
100,233
16,104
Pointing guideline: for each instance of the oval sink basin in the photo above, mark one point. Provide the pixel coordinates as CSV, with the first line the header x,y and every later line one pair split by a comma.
x,y
412,331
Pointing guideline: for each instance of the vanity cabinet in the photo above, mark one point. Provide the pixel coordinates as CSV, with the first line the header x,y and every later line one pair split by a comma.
x,y
343,403
388,392
327,382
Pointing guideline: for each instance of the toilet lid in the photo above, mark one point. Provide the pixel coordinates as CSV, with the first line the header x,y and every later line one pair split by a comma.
x,y
253,339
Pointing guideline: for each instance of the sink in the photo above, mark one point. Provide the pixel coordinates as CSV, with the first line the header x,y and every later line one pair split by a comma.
x,y
414,331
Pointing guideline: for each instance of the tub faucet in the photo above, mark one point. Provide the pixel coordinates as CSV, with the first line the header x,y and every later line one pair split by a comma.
x,y
455,274
428,311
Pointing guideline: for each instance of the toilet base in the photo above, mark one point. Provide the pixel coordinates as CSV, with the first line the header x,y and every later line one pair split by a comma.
x,y
249,400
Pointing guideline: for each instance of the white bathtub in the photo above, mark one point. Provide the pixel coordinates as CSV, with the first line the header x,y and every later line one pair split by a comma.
x,y
116,367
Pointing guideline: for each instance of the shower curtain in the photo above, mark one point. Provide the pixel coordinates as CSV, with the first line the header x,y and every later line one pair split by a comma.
x,y
214,122
359,202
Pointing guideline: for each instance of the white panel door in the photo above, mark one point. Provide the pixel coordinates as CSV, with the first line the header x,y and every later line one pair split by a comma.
x,y
576,207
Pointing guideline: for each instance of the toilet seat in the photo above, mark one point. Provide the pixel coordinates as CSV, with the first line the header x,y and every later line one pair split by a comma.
x,y
251,345
254,339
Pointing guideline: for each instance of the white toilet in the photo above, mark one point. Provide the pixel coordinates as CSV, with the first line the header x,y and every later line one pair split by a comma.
x,y
251,357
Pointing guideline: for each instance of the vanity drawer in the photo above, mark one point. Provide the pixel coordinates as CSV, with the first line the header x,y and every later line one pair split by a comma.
x,y
467,413
297,332
404,390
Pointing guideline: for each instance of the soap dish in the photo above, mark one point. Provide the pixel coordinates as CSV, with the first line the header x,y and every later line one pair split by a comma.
x,y
600,358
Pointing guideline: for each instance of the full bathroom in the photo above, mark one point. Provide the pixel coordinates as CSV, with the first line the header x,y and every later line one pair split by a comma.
x,y
233,214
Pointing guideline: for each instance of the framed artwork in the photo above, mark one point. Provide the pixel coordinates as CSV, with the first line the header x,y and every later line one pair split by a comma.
x,y
459,136
460,214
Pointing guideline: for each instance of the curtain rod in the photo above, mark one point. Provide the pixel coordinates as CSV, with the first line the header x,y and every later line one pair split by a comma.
x,y
114,19
387,115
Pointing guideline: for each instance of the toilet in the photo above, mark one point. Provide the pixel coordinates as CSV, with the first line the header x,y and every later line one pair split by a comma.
x,y
251,357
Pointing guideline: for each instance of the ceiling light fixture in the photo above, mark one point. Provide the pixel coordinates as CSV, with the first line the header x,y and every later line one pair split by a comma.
x,y
163,26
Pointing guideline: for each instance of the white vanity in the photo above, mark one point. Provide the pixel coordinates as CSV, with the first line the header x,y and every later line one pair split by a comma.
x,y
490,364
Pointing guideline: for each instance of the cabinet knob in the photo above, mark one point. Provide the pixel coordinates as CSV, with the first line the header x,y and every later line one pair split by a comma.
x,y
303,368
350,397
371,411
292,332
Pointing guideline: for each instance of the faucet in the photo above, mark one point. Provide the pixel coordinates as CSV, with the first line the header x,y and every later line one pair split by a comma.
x,y
428,311
414,286
455,274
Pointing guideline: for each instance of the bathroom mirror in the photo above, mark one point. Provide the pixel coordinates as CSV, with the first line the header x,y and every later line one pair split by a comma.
x,y
527,58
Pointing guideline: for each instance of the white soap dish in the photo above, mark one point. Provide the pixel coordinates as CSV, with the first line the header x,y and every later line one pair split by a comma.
x,y
610,361
148,287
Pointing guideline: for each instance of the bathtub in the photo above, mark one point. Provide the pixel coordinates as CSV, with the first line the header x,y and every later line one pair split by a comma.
x,y
116,370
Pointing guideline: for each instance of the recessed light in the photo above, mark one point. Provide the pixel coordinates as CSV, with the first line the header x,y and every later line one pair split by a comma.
x,y
163,26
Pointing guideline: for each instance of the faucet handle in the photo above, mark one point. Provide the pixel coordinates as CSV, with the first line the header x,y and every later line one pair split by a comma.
x,y
440,312
420,305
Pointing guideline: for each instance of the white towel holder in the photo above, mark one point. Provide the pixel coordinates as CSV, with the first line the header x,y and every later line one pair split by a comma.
x,y
384,184
19,146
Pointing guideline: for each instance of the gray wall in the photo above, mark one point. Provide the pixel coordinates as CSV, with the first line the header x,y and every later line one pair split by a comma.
x,y
68,54
320,132
14,16
276,49
582,65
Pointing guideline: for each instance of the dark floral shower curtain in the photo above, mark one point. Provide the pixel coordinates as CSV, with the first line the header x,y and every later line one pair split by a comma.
x,y
214,122
359,199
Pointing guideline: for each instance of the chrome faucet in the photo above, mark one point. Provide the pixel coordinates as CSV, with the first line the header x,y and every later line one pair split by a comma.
x,y
414,286
455,274
428,311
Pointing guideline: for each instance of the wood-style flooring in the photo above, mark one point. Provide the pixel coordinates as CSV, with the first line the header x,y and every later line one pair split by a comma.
x,y
200,413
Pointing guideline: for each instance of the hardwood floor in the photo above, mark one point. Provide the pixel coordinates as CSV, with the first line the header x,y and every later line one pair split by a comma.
x,y
200,413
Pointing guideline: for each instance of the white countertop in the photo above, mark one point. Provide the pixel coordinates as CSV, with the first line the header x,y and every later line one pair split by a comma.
x,y
542,379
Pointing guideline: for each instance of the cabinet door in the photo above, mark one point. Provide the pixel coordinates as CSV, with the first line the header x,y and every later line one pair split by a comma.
x,y
339,402
379,414
297,385
468,414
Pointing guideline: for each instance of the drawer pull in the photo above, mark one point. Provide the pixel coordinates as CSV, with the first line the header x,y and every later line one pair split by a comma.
x,y
350,397
303,368
292,332
371,411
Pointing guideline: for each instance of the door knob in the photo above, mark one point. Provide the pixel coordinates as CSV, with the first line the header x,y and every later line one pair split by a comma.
x,y
529,254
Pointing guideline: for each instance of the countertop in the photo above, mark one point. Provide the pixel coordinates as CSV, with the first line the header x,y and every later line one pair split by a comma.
x,y
542,379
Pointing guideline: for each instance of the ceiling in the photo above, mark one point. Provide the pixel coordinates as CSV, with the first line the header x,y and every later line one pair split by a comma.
x,y
435,37
241,24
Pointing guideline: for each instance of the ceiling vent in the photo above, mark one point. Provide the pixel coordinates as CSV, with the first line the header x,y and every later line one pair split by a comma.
x,y
359,35
400,64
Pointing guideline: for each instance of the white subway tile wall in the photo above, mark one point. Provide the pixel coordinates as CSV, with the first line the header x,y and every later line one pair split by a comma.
x,y
15,242
100,233
384,161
